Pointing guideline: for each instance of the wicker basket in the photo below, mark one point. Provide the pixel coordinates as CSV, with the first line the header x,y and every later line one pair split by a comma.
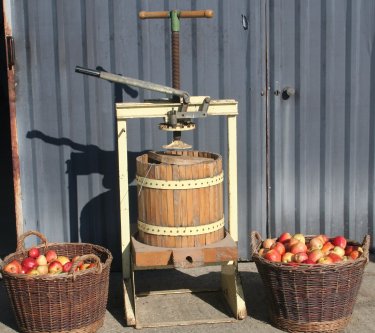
x,y
68,302
310,298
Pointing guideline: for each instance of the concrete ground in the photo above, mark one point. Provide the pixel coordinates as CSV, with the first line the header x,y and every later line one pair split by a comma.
x,y
363,319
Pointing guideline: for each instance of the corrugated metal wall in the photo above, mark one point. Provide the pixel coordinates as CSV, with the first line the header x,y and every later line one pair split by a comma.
x,y
66,121
321,140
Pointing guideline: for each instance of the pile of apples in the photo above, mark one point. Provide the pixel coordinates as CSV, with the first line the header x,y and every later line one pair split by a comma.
x,y
294,250
41,264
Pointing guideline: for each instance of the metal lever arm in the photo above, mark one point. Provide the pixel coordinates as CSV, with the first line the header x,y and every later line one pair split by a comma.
x,y
208,13
134,82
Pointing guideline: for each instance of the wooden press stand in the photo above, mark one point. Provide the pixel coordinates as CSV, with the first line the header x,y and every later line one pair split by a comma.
x,y
138,256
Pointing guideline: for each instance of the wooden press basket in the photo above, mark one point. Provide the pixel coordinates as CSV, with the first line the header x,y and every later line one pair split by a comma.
x,y
69,302
180,204
311,298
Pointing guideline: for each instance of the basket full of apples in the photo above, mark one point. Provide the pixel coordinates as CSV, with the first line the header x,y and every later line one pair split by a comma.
x,y
311,282
57,287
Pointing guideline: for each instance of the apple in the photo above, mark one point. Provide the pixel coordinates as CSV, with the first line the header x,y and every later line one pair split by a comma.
x,y
287,257
338,250
284,237
299,237
335,257
323,238
292,263
13,267
308,262
325,260
354,254
339,241
42,269
67,266
279,247
349,249
261,252
316,243
29,263
300,256
86,265
298,247
92,265
34,253
32,271
327,247
41,260
267,243
63,259
359,249
75,258
315,255
292,242
51,255
271,255
55,267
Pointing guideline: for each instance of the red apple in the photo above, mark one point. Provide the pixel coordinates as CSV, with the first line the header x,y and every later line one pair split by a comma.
x,y
67,266
315,255
13,267
34,253
63,259
279,247
86,265
300,256
308,261
316,243
271,255
339,241
323,238
284,237
354,254
92,265
41,260
298,247
267,243
29,263
335,257
325,260
299,237
51,255
55,267
289,243
349,249
328,246
42,269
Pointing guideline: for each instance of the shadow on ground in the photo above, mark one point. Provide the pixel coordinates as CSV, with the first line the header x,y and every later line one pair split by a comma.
x,y
255,298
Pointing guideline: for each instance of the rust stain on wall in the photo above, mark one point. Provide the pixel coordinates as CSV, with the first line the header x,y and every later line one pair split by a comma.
x,y
14,138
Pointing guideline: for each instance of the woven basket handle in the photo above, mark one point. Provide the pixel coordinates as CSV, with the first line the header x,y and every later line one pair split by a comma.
x,y
366,247
255,240
21,239
82,259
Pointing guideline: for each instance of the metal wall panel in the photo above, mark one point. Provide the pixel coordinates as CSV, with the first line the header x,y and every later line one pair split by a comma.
x,y
322,139
66,121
